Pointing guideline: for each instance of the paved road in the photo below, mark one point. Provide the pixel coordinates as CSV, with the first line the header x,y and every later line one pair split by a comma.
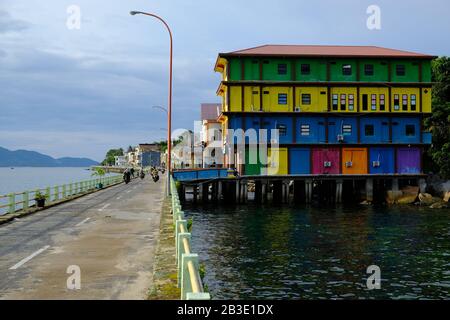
x,y
110,235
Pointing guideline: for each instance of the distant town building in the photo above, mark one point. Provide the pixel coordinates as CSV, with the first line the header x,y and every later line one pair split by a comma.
x,y
131,158
120,161
183,154
211,135
147,154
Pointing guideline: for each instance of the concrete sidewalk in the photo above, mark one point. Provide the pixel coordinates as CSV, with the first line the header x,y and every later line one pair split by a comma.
x,y
110,235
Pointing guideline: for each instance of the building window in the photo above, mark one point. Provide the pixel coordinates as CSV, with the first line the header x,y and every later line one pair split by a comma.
x,y
347,70
382,102
282,130
282,68
343,101
347,129
410,130
400,70
282,98
369,130
305,69
351,102
335,101
368,69
365,102
396,102
304,130
413,102
374,102
405,102
306,98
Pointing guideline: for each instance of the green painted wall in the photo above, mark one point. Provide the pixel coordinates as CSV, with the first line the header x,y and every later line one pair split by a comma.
x,y
252,169
380,68
426,71
412,71
234,65
270,69
318,70
336,73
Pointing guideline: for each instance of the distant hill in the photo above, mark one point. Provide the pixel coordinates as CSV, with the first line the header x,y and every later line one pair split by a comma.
x,y
24,158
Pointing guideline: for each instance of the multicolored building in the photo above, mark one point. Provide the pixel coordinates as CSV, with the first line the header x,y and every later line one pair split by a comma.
x,y
338,109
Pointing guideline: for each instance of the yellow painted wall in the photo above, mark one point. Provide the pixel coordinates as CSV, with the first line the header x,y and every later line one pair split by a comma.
x,y
277,161
370,92
223,95
235,98
401,92
252,98
426,100
270,99
347,92
319,102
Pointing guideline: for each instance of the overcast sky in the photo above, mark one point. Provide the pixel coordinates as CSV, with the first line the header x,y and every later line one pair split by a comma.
x,y
80,92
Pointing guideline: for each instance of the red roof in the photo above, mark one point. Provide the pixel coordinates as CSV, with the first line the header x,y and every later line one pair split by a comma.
x,y
326,51
210,111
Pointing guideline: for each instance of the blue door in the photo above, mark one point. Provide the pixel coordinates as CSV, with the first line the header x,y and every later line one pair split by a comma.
x,y
299,161
381,160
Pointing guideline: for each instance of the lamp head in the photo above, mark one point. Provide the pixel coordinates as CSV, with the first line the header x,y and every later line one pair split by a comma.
x,y
133,13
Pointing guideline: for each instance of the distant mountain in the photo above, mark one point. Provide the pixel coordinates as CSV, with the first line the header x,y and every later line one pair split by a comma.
x,y
24,158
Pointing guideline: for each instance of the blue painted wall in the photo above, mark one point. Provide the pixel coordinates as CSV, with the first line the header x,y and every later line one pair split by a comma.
x,y
316,130
236,123
399,130
380,133
273,123
336,126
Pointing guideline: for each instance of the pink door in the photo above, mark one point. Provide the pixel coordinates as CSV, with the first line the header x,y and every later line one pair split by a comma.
x,y
326,161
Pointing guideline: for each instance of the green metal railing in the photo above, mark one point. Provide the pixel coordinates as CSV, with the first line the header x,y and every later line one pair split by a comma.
x,y
14,202
189,279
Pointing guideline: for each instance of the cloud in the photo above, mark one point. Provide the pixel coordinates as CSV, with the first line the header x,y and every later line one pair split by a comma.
x,y
9,24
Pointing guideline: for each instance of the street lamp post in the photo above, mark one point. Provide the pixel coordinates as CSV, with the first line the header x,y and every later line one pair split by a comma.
x,y
169,111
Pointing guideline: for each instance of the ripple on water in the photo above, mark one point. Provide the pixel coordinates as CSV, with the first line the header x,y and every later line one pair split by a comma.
x,y
312,253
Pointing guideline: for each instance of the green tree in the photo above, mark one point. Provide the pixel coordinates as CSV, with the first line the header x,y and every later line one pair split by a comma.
x,y
439,122
109,158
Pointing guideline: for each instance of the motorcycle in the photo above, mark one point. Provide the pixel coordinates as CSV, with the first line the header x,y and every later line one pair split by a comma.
x,y
142,175
126,177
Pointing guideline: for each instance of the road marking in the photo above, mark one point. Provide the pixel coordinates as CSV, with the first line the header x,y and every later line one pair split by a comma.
x,y
128,191
104,207
119,197
85,220
23,261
